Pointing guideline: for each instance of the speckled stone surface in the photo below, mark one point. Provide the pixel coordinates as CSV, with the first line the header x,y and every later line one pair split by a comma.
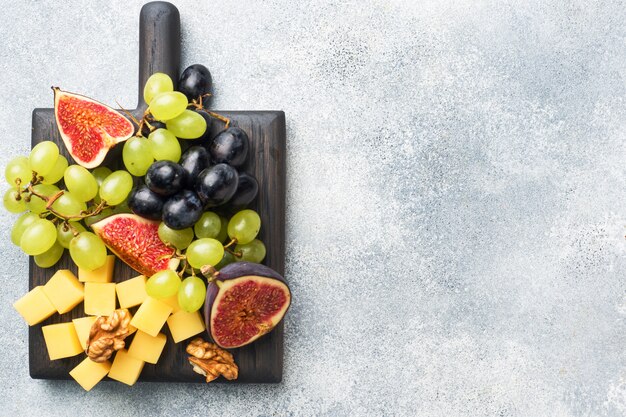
x,y
456,194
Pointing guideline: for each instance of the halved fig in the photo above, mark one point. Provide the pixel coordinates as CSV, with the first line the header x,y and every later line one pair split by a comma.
x,y
244,302
135,241
88,128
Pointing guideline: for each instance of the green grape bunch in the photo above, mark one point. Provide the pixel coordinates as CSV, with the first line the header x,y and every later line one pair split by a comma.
x,y
51,218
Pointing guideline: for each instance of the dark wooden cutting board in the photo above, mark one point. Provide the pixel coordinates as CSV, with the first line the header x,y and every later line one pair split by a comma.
x,y
159,51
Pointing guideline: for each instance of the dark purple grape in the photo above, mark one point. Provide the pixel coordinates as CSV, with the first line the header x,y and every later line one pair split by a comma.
x,y
166,177
230,146
145,203
247,190
194,161
182,210
217,184
195,81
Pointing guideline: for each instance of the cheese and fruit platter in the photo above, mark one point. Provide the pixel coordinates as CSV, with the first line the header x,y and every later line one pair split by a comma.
x,y
155,235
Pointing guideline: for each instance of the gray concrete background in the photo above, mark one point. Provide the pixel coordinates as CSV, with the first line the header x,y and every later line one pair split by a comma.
x,y
456,188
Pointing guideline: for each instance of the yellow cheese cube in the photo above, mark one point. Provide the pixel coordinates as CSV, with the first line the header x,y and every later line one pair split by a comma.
x,y
61,340
146,347
125,368
99,298
83,327
172,302
88,373
102,274
64,290
151,316
131,292
35,306
183,325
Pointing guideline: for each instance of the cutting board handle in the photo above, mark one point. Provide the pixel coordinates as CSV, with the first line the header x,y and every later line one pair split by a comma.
x,y
159,43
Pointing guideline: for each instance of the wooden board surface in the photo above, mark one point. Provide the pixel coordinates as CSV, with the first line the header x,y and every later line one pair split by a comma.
x,y
261,361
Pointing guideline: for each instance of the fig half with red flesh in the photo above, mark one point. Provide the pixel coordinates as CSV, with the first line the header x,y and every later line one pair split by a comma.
x,y
244,302
136,241
88,128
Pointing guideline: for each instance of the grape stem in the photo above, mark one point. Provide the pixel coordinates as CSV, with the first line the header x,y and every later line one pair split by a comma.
x,y
50,200
236,254
127,113
209,272
182,270
36,179
68,226
231,243
54,198
197,104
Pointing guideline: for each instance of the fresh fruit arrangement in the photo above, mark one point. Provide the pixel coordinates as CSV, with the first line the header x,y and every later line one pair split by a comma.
x,y
177,214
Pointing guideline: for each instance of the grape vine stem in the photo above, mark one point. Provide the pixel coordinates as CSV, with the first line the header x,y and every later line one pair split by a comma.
x,y
197,104
231,243
50,200
209,272
235,254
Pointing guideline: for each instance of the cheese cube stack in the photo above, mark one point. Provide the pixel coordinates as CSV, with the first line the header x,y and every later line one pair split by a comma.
x,y
99,298
88,373
131,292
61,340
64,291
83,327
125,368
102,274
151,316
146,347
183,325
35,306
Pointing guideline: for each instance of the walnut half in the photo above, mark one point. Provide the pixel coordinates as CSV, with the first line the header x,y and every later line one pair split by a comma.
x,y
211,361
107,335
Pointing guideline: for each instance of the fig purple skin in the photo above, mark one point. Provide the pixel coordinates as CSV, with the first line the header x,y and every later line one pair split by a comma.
x,y
233,271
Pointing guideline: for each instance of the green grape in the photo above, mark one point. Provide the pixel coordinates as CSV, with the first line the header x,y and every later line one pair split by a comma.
x,y
251,252
43,157
204,252
20,225
68,205
93,219
13,201
50,257
244,226
100,174
18,168
165,146
168,105
115,188
209,225
163,284
223,235
38,237
228,258
80,182
36,204
88,251
188,125
180,239
191,294
156,84
137,156
57,171
65,233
